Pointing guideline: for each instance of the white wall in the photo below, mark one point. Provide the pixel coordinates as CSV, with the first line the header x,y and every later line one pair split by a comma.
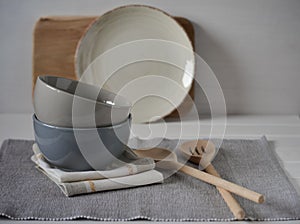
x,y
252,46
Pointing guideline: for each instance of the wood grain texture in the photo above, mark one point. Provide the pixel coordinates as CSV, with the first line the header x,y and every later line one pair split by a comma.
x,y
54,45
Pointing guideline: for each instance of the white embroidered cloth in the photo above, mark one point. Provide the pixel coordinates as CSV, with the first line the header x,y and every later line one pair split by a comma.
x,y
138,172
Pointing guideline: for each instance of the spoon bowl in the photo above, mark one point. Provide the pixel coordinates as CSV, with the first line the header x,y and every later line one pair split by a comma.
x,y
158,154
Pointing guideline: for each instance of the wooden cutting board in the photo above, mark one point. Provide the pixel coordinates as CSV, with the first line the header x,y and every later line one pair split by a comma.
x,y
55,39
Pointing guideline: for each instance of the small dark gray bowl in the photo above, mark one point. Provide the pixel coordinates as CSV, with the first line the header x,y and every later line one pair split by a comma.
x,y
91,149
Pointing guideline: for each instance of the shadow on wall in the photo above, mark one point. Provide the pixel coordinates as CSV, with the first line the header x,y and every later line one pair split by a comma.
x,y
223,65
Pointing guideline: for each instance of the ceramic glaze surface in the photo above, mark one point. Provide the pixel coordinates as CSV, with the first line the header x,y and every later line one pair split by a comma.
x,y
61,148
141,53
69,103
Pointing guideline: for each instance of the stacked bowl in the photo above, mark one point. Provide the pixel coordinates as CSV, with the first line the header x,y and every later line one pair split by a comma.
x,y
78,126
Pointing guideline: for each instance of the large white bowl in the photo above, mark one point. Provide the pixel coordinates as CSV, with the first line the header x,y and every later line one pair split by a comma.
x,y
141,53
68,103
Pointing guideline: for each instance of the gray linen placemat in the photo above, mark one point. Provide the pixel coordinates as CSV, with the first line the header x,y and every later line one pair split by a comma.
x,y
28,194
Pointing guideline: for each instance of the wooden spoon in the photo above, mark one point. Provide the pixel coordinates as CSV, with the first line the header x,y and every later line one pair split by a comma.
x,y
202,152
168,159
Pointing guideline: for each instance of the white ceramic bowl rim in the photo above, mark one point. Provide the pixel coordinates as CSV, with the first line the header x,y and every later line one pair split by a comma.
x,y
34,117
125,102
80,46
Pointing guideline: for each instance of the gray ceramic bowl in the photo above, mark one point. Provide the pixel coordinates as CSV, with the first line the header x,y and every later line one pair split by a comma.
x,y
68,103
92,149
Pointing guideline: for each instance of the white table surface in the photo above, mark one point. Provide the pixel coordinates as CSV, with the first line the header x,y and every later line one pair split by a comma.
x,y
283,130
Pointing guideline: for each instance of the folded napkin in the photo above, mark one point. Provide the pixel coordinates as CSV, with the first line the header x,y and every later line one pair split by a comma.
x,y
132,172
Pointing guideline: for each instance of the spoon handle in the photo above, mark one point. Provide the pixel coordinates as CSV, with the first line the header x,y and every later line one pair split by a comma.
x,y
219,182
231,202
